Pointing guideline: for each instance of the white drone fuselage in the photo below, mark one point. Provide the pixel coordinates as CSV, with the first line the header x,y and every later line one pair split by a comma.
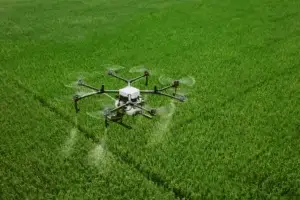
x,y
129,93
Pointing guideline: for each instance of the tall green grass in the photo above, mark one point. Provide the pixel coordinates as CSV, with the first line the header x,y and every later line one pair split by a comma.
x,y
237,135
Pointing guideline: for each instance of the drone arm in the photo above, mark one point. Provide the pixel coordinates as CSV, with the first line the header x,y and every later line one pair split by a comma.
x,y
118,77
76,98
137,78
181,98
163,94
111,91
157,90
165,88
119,107
88,86
147,110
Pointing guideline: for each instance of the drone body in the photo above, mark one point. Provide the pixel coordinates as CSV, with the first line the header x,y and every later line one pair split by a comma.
x,y
126,94
129,100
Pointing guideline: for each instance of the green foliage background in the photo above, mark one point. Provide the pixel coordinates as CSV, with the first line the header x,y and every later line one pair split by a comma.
x,y
237,137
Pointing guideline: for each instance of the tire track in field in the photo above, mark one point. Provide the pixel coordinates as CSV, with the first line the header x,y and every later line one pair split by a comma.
x,y
124,158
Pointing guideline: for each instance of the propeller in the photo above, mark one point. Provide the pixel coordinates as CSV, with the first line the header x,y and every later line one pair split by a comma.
x,y
163,111
68,98
75,79
188,80
113,68
106,104
102,113
182,91
141,69
138,69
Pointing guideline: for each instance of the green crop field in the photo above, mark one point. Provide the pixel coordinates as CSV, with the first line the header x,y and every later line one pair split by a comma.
x,y
236,137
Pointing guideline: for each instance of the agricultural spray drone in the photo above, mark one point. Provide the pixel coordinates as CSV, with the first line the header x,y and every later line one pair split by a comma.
x,y
129,100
